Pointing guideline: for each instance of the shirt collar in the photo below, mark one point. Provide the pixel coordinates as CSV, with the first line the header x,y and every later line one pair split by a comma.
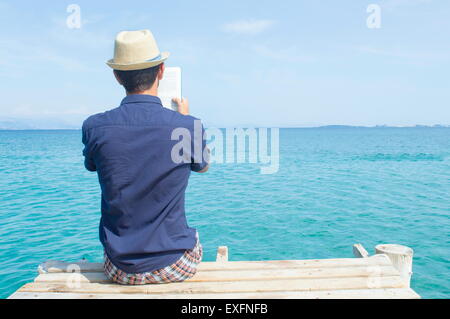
x,y
141,98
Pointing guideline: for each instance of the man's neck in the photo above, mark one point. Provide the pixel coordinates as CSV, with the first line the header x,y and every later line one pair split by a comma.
x,y
151,91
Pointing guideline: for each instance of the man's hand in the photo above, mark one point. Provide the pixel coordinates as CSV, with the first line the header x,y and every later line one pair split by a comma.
x,y
183,105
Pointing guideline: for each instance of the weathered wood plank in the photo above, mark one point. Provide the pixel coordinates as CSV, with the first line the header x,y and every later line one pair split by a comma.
x,y
53,266
230,275
381,260
370,277
389,293
310,284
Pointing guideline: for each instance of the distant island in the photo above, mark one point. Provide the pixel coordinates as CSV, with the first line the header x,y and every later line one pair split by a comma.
x,y
57,124
385,126
36,124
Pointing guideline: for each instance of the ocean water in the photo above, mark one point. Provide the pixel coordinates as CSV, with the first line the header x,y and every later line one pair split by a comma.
x,y
335,187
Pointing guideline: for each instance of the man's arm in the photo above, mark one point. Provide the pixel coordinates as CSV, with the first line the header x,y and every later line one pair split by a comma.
x,y
182,105
204,170
89,164
203,166
88,161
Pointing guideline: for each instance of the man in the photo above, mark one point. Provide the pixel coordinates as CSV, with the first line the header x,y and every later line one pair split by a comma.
x,y
143,225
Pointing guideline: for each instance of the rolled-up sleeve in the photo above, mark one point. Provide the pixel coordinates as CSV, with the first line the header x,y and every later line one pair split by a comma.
x,y
200,158
88,160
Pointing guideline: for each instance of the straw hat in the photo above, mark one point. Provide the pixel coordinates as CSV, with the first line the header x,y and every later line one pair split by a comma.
x,y
136,50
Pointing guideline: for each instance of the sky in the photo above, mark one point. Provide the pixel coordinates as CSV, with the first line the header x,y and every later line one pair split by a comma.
x,y
244,63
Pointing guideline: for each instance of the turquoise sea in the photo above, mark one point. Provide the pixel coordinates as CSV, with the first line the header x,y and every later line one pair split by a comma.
x,y
335,187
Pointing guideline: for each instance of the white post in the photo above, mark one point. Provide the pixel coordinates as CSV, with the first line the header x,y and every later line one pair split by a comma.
x,y
359,251
222,254
401,258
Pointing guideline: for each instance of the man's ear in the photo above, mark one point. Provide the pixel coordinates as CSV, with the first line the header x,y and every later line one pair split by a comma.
x,y
161,71
117,78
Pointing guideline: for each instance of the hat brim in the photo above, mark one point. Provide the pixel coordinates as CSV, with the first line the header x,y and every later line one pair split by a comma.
x,y
138,65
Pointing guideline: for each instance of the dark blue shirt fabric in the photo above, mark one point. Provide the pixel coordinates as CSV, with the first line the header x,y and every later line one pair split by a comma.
x,y
143,225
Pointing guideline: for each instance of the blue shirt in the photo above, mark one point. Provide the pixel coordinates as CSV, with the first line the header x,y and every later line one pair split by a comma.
x,y
143,225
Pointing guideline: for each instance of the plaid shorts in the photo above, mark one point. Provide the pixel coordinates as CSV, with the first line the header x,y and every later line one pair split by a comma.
x,y
184,268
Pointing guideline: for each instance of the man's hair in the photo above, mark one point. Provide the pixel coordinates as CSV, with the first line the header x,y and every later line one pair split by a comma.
x,y
138,80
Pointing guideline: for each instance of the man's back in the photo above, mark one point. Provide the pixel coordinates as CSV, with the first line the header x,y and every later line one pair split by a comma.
x,y
143,225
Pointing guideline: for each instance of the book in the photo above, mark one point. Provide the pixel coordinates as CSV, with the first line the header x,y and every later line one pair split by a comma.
x,y
170,87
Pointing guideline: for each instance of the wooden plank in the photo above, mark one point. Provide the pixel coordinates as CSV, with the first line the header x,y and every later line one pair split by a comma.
x,y
310,284
359,251
52,266
388,293
228,275
381,260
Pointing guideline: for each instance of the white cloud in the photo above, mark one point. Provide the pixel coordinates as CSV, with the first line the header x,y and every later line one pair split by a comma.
x,y
85,36
406,54
250,26
287,54
20,54
392,5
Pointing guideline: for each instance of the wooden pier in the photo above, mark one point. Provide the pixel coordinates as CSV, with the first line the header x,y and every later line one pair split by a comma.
x,y
373,277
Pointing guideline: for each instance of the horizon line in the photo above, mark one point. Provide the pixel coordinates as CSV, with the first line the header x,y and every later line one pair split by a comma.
x,y
263,126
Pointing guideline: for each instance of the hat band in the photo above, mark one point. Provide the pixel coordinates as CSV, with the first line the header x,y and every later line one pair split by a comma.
x,y
155,58
158,57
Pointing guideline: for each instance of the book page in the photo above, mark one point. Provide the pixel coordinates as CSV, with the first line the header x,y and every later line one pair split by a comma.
x,y
170,87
